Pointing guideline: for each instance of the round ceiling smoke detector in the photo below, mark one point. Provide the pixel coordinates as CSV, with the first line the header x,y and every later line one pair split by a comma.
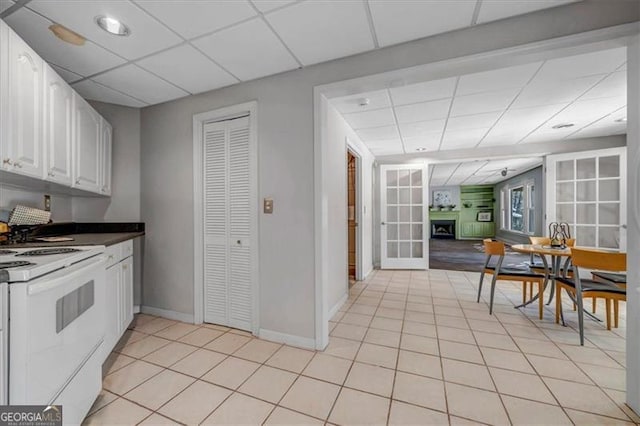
x,y
112,26
66,35
563,126
363,102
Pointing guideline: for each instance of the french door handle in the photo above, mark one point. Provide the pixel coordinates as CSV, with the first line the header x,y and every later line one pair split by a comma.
x,y
384,223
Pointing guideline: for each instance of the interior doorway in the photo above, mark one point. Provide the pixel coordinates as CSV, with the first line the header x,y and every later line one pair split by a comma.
x,y
352,219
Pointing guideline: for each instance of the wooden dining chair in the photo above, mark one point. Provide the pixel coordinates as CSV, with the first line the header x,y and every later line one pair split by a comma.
x,y
525,274
581,287
617,279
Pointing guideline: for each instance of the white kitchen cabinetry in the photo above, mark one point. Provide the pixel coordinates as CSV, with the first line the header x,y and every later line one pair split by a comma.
x,y
47,131
58,128
119,293
87,150
23,142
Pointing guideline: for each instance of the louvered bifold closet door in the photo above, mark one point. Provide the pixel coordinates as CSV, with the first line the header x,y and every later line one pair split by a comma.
x,y
228,255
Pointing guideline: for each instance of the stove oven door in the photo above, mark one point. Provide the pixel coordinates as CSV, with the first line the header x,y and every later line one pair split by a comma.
x,y
56,326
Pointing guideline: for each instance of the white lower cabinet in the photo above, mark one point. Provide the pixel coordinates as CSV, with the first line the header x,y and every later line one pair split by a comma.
x,y
119,295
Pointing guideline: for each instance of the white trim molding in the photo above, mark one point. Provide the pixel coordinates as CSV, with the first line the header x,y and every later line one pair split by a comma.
x,y
166,313
250,108
339,304
287,339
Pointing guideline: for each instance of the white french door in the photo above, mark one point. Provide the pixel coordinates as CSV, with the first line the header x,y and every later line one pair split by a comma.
x,y
403,230
588,190
230,227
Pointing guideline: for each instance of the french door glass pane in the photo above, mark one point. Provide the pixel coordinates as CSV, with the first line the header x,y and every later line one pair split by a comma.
x,y
392,214
404,196
392,231
416,178
416,195
564,212
405,231
564,170
586,214
416,214
610,166
586,236
417,249
564,192
403,177
586,191
609,213
416,232
586,168
392,196
609,237
392,249
392,178
405,250
609,190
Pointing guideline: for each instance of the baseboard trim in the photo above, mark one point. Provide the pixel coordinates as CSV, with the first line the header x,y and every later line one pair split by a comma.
x,y
288,339
337,306
368,273
166,313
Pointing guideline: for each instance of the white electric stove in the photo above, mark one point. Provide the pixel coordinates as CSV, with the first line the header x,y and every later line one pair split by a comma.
x,y
56,323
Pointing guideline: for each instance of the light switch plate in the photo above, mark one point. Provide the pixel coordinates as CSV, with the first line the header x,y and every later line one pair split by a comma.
x,y
268,205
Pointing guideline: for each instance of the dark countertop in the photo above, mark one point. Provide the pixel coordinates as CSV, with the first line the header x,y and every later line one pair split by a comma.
x,y
95,239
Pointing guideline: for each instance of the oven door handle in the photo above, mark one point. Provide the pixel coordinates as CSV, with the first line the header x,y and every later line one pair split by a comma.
x,y
46,285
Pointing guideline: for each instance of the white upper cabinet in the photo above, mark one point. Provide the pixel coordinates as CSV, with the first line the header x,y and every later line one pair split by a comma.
x,y
47,131
87,150
24,126
106,136
58,128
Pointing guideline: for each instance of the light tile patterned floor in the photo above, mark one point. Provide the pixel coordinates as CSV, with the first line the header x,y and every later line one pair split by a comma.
x,y
407,348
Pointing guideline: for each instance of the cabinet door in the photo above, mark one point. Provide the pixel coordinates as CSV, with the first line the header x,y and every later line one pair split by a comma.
x,y
106,146
113,330
126,296
5,161
25,108
86,161
466,229
58,128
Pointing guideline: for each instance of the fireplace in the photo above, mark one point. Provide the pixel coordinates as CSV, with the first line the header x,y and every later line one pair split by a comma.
x,y
443,229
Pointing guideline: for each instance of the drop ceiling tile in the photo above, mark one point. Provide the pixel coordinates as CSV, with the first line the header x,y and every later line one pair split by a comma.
x,y
5,4
192,18
581,114
492,10
318,31
515,124
67,75
385,147
378,133
347,104
423,111
502,78
141,84
549,92
604,127
265,6
476,121
461,139
147,34
84,60
249,50
420,128
403,20
601,62
444,170
374,118
421,92
91,90
387,151
187,68
425,143
483,102
614,85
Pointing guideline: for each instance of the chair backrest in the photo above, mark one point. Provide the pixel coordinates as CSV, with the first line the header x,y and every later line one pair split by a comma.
x,y
493,248
599,259
570,242
540,241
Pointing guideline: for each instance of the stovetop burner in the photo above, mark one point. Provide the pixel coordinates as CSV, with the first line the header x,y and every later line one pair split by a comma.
x,y
5,252
14,264
48,251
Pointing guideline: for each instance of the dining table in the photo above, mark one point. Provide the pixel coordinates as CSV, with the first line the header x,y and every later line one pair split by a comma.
x,y
551,272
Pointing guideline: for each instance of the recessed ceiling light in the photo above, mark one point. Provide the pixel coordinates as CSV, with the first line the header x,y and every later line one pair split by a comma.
x,y
66,35
563,125
421,149
112,26
621,120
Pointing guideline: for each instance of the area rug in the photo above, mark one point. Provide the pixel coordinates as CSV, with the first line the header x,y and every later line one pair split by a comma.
x,y
465,255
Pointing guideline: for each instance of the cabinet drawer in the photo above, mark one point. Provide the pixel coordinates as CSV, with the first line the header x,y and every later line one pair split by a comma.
x,y
114,255
127,249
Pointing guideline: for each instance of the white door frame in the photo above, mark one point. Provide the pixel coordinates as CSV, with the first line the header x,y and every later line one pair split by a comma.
x,y
199,120
359,203
572,44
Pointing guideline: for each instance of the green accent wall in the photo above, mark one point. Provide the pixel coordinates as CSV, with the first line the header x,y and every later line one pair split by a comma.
x,y
445,215
473,200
